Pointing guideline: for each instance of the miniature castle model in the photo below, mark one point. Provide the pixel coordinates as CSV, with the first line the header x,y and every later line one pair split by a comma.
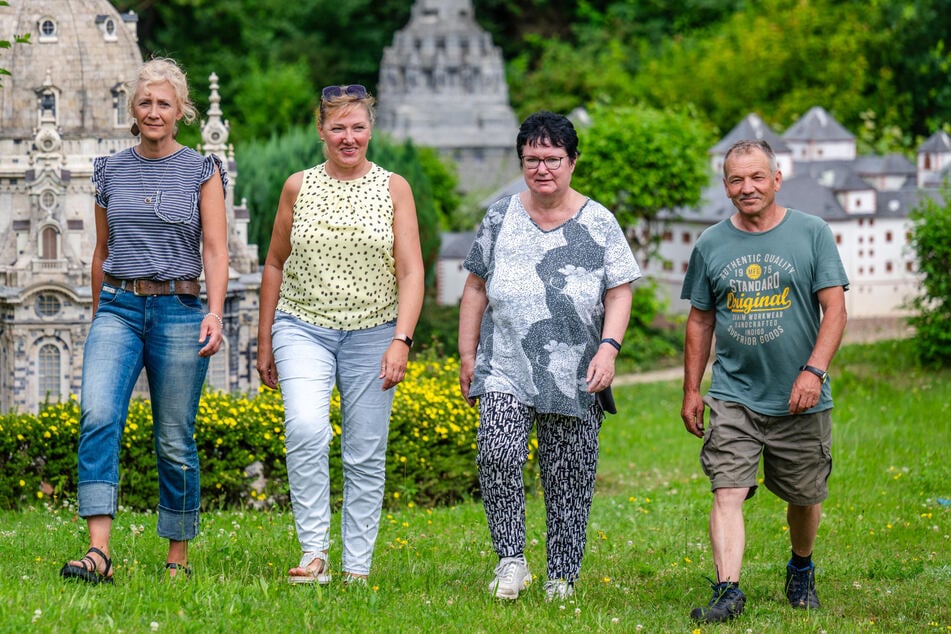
x,y
442,85
865,200
64,104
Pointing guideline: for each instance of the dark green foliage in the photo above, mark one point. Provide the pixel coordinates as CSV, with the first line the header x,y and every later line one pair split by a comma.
x,y
272,56
881,68
931,239
649,341
263,166
912,52
438,328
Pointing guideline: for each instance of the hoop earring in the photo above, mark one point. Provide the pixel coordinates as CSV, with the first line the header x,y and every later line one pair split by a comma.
x,y
134,129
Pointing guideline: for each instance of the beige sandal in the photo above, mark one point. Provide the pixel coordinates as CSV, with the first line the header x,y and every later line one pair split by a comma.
x,y
307,572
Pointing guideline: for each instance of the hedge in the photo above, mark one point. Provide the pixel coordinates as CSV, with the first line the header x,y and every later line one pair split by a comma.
x,y
430,458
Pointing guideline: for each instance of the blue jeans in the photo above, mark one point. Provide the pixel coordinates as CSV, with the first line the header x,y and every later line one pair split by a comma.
x,y
310,360
159,333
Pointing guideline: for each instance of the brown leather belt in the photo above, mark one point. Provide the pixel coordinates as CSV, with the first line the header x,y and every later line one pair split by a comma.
x,y
155,287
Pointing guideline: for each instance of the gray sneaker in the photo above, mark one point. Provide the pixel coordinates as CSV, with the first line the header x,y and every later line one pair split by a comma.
x,y
801,587
511,577
727,603
558,589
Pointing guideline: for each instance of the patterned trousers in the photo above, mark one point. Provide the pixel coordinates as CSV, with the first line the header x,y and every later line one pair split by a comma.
x,y
568,461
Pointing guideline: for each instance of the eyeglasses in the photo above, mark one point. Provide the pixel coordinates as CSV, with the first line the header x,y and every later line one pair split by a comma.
x,y
551,162
353,90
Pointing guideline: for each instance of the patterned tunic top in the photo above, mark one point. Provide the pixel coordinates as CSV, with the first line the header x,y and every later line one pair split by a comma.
x,y
152,207
545,290
341,272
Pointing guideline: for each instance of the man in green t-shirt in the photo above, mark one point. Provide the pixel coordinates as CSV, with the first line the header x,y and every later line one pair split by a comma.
x,y
768,283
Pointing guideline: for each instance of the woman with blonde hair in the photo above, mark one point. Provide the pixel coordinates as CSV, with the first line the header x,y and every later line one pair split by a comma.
x,y
341,293
160,221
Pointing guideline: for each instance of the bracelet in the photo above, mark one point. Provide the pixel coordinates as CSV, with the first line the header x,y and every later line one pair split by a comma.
x,y
221,323
612,342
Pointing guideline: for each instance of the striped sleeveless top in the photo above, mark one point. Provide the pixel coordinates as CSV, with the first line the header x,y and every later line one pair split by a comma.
x,y
152,211
341,272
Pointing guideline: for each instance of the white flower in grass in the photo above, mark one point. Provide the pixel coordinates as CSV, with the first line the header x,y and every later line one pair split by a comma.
x,y
37,613
153,626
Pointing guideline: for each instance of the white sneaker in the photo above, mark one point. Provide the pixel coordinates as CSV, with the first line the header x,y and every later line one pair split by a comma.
x,y
558,589
511,577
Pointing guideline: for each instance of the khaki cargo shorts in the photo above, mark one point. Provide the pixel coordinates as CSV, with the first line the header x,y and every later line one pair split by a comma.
x,y
796,451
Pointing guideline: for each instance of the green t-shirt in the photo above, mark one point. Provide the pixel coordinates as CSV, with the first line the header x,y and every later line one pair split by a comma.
x,y
763,287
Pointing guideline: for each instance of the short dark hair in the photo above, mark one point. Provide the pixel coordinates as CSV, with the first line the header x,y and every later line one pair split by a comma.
x,y
544,126
746,146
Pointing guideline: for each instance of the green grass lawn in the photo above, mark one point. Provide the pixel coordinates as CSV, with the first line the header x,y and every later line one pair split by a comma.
x,y
883,555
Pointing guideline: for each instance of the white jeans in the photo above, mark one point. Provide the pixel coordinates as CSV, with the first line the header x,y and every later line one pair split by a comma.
x,y
310,361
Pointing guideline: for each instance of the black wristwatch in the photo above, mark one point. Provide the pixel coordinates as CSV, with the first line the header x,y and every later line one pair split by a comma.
x,y
405,339
822,374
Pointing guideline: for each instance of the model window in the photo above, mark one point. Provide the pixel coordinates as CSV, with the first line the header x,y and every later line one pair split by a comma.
x,y
48,305
48,102
47,29
119,98
48,371
49,244
47,200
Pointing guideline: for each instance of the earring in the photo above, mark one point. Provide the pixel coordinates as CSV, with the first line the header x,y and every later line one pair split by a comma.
x,y
134,129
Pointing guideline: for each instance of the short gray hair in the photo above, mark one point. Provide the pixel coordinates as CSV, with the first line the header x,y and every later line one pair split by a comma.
x,y
747,146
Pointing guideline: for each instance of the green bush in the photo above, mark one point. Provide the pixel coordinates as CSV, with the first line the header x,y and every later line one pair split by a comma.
x,y
431,456
931,239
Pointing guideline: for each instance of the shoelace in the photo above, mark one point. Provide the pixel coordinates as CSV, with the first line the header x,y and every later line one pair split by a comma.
x,y
720,589
506,570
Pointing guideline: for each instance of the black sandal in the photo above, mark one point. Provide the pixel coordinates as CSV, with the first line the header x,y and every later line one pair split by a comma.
x,y
179,568
89,573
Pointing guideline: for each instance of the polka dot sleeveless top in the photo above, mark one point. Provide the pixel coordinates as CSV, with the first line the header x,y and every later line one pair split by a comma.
x,y
341,273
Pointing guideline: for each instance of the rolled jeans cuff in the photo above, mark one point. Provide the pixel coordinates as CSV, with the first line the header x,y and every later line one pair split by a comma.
x,y
180,526
97,498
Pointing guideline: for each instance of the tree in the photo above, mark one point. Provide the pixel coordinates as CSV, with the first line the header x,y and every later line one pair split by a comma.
x,y
17,39
774,57
639,161
911,54
931,239
272,56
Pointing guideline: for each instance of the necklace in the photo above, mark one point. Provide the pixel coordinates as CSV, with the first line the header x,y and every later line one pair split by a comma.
x,y
152,199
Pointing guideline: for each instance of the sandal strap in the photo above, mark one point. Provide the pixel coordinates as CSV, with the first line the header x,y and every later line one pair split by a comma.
x,y
105,560
310,557
171,565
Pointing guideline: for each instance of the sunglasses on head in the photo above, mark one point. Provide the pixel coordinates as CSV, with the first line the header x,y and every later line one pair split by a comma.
x,y
353,90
